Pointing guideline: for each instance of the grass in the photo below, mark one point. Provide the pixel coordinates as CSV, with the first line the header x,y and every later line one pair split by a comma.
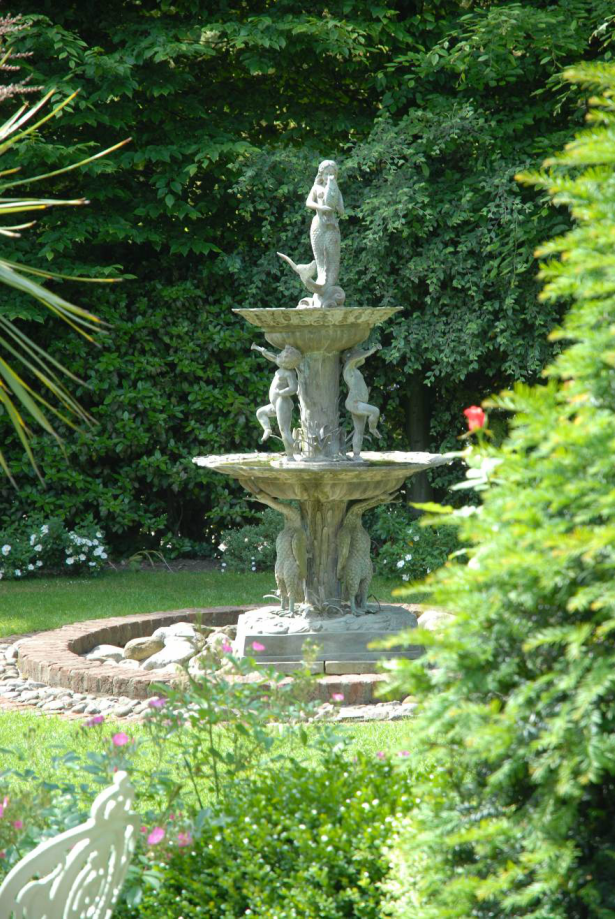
x,y
48,603
32,740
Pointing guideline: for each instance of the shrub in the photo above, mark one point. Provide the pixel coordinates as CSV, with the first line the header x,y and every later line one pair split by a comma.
x,y
519,707
252,548
406,548
296,841
32,545
242,806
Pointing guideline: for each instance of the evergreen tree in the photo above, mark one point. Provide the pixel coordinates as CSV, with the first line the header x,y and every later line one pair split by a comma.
x,y
519,706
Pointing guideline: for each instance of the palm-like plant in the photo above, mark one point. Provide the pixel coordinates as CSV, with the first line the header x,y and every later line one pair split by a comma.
x,y
26,403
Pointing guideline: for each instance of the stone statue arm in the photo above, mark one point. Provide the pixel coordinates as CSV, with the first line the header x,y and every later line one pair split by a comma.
x,y
340,204
292,387
268,354
357,358
313,204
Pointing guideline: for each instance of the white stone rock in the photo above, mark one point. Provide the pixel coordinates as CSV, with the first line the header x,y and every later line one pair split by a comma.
x,y
178,630
177,651
105,653
433,619
139,649
128,662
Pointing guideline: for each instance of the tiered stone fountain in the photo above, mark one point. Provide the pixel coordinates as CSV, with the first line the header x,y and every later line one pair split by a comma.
x,y
323,568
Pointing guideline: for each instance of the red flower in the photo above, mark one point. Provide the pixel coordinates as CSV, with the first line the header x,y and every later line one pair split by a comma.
x,y
476,417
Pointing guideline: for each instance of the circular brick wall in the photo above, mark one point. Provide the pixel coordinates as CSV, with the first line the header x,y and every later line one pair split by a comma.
x,y
55,657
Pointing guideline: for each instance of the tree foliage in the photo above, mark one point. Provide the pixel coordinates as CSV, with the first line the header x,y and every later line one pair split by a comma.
x,y
516,819
430,108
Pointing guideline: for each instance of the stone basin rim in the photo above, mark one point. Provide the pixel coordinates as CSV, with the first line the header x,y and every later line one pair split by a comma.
x,y
275,318
370,461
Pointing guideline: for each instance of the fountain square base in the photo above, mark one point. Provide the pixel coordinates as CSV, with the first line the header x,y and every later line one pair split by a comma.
x,y
335,643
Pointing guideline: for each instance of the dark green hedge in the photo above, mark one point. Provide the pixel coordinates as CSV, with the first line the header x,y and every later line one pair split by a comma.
x,y
230,108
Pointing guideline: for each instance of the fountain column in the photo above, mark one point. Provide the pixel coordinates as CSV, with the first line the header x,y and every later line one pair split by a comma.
x,y
322,521
319,386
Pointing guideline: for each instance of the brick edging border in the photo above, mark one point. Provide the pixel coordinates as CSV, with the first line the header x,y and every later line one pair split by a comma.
x,y
54,657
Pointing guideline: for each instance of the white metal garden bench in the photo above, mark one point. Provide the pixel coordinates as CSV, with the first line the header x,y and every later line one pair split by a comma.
x,y
78,874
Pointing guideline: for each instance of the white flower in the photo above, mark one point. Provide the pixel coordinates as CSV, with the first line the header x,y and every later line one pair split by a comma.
x,y
33,539
99,534
94,542
92,564
38,548
474,563
88,542
103,555
70,561
223,547
5,549
82,557
407,557
30,567
98,551
17,573
39,564
44,529
405,577
401,563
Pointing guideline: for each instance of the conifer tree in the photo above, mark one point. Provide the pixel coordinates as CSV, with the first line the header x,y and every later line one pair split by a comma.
x,y
517,711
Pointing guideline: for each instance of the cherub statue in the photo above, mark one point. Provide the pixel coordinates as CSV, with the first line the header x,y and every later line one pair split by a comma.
x,y
291,552
358,394
283,387
354,564
326,200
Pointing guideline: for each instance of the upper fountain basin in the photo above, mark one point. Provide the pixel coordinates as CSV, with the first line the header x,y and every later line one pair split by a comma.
x,y
326,331
332,480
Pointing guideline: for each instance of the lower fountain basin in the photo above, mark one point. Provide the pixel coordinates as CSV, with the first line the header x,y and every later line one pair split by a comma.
x,y
327,480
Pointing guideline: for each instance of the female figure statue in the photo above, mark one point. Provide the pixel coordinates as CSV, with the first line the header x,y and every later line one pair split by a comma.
x,y
326,200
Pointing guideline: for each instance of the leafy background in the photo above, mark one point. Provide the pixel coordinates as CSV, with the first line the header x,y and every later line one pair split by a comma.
x,y
430,107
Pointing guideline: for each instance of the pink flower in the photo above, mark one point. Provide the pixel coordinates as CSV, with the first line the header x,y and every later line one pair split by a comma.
x,y
120,739
144,829
157,702
404,752
18,824
3,806
95,719
337,696
381,755
227,647
3,854
184,839
256,646
475,416
157,835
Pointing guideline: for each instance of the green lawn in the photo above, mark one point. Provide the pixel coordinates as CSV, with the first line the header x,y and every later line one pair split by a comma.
x,y
47,603
36,739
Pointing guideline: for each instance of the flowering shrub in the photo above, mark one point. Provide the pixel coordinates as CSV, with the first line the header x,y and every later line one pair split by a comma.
x,y
405,549
34,545
251,548
225,775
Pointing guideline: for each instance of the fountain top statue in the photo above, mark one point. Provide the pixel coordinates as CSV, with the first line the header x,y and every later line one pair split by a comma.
x,y
321,275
